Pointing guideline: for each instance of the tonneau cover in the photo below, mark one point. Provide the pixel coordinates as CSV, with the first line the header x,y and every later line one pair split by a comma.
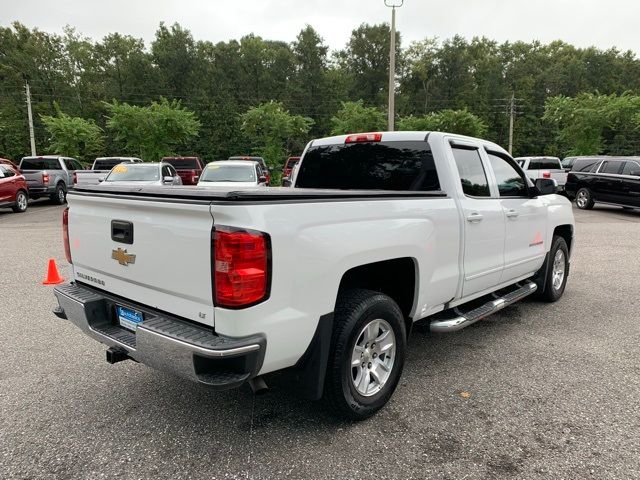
x,y
226,194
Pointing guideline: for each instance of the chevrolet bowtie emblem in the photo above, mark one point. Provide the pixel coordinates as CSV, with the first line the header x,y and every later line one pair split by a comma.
x,y
123,257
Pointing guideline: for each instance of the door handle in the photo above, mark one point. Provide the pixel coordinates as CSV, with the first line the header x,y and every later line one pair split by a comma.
x,y
512,213
474,217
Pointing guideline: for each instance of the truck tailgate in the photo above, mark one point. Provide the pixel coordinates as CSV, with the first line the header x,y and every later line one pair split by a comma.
x,y
33,178
167,265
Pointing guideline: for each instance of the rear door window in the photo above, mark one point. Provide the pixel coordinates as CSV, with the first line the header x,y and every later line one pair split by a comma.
x,y
631,168
472,175
397,166
585,165
611,166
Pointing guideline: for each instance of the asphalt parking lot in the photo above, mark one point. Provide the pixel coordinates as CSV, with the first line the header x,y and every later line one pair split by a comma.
x,y
536,391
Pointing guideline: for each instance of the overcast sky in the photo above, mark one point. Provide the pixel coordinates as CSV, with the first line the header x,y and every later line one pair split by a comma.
x,y
582,22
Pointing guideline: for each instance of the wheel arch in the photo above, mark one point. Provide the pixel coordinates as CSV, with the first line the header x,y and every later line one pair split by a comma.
x,y
397,278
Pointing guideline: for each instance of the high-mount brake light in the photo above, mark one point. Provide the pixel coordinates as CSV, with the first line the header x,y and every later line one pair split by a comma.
x,y
65,234
241,267
363,137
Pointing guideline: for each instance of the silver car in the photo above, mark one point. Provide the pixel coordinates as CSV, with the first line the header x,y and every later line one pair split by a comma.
x,y
156,173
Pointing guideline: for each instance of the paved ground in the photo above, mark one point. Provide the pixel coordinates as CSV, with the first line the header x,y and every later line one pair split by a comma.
x,y
554,389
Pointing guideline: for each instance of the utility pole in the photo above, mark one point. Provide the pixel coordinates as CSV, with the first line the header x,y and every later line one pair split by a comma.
x,y
512,110
392,63
30,115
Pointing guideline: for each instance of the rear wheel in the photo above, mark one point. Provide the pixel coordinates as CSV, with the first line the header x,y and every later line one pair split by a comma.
x,y
557,270
22,202
584,199
367,353
59,197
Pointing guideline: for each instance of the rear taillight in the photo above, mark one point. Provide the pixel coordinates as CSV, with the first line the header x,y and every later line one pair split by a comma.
x,y
241,267
45,178
363,137
75,178
65,234
546,175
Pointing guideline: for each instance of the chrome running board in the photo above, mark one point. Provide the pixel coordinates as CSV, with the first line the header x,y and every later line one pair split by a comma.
x,y
462,320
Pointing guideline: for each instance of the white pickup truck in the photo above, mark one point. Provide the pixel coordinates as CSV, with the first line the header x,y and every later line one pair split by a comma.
x,y
325,279
544,167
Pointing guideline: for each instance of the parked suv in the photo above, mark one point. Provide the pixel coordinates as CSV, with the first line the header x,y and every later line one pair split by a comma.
x,y
263,165
50,175
189,168
13,189
612,180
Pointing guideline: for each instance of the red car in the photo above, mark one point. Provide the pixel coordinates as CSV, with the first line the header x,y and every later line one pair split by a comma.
x,y
4,161
288,166
13,189
189,168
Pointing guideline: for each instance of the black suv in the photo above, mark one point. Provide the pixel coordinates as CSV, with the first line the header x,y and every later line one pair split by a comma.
x,y
612,180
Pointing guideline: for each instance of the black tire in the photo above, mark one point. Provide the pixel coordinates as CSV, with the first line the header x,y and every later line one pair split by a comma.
x,y
584,199
59,197
354,310
22,202
552,292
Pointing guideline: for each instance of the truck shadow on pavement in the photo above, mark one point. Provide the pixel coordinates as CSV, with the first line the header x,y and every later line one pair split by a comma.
x,y
437,403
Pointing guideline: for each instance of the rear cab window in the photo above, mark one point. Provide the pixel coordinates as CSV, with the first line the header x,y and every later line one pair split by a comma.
x,y
106,164
394,165
183,163
40,164
545,164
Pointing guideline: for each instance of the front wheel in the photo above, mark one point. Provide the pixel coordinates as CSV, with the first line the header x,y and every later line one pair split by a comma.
x,y
367,354
584,199
22,202
557,270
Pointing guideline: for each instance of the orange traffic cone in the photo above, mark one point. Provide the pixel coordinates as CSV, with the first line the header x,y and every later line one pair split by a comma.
x,y
53,277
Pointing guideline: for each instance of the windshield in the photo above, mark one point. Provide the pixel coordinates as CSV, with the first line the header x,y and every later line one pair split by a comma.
x,y
229,173
183,163
133,173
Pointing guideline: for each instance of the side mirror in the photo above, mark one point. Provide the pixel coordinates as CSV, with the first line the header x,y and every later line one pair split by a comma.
x,y
546,186
101,179
167,180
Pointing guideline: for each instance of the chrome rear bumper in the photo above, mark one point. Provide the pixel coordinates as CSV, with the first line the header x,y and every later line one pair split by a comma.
x,y
162,341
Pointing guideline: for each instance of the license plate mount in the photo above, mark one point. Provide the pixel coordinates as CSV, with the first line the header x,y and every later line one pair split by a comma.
x,y
128,318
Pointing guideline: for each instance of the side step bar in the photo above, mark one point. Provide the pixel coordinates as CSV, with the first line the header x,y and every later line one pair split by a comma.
x,y
462,320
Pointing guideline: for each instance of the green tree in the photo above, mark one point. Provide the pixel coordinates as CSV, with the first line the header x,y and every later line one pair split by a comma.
x,y
365,61
354,117
153,131
73,136
461,122
590,124
274,132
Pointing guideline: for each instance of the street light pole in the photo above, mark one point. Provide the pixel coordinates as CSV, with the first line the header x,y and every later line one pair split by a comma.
x,y
392,63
